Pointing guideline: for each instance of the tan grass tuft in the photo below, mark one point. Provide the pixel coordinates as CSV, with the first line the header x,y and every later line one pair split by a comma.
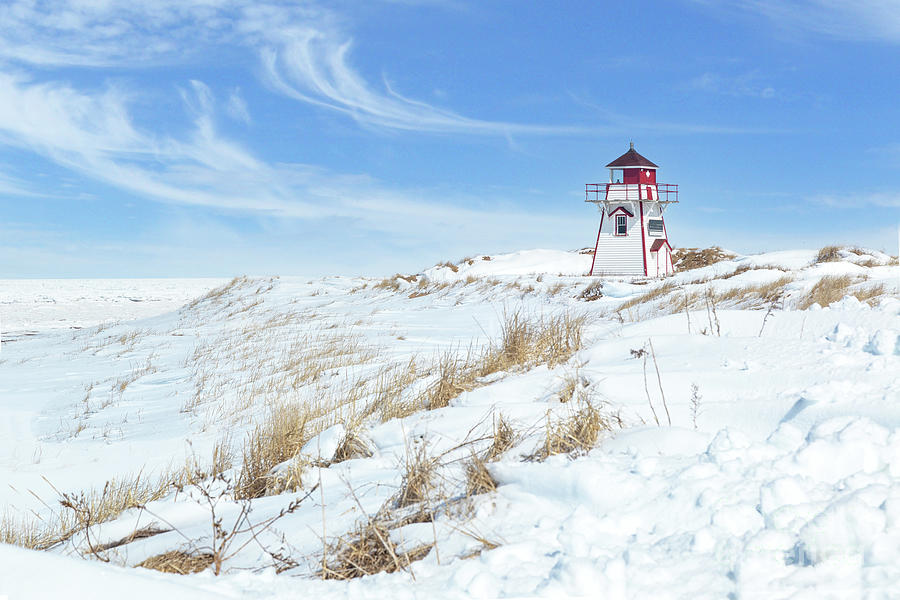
x,y
449,265
390,400
556,288
389,283
455,376
278,439
367,551
352,446
503,439
577,434
686,259
418,477
870,294
828,254
478,479
830,288
657,292
177,562
764,292
32,533
526,342
85,509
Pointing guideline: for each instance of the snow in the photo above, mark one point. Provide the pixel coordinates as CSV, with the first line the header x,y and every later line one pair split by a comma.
x,y
524,262
30,305
781,478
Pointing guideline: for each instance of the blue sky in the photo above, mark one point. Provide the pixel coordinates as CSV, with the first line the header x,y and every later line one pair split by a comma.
x,y
218,137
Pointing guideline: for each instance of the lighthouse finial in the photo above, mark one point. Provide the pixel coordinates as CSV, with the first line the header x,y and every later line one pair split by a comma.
x,y
632,145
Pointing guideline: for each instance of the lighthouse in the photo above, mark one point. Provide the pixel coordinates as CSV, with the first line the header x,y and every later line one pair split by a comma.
x,y
632,239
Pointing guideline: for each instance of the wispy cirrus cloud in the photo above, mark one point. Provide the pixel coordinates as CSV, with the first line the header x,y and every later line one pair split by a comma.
x,y
868,20
305,53
313,66
303,49
859,199
749,84
95,135
93,131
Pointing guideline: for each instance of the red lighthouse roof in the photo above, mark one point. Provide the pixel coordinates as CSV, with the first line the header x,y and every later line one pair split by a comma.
x,y
631,159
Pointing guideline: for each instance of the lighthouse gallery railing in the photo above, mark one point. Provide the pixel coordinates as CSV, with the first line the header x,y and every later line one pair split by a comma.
x,y
630,192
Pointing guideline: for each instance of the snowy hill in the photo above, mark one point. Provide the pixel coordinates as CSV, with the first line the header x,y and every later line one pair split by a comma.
x,y
501,426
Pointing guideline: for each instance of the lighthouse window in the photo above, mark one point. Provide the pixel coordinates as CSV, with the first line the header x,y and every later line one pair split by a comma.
x,y
621,225
655,226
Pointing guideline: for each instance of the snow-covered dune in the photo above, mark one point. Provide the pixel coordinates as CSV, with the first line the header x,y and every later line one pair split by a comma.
x,y
753,446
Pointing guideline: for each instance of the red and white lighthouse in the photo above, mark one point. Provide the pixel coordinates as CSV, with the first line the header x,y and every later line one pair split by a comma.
x,y
632,239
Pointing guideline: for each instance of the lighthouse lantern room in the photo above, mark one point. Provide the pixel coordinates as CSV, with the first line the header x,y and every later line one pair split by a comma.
x,y
632,239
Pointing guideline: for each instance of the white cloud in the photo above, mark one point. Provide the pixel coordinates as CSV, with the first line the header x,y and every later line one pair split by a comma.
x,y
312,65
856,199
748,84
237,107
873,20
306,55
95,135
303,49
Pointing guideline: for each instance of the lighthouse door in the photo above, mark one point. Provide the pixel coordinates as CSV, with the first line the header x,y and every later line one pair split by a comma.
x,y
654,259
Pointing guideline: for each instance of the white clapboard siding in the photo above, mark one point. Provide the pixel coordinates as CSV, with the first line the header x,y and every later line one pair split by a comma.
x,y
619,255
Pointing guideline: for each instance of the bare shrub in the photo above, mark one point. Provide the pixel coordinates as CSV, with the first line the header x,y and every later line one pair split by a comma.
x,y
593,291
178,562
830,288
117,495
449,265
695,404
82,510
686,259
137,534
828,254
